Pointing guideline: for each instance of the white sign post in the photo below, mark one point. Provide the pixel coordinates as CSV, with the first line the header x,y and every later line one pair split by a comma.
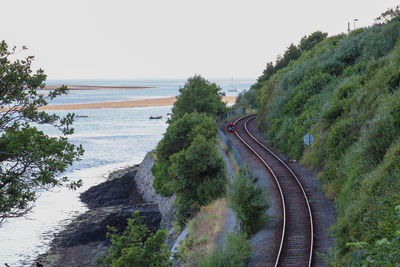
x,y
308,140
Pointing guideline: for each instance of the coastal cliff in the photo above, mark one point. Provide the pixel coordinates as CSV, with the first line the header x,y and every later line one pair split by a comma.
x,y
144,183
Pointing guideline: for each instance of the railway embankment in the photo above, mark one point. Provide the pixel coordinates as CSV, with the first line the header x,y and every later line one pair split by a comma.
x,y
344,90
266,241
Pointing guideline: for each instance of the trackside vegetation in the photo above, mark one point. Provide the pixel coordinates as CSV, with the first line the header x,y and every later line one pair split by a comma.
x,y
248,201
345,91
187,160
137,246
235,252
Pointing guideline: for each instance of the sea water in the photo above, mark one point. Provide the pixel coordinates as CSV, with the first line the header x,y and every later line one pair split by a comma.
x,y
112,139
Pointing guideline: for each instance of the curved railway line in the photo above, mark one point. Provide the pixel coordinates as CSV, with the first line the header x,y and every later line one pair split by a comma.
x,y
296,242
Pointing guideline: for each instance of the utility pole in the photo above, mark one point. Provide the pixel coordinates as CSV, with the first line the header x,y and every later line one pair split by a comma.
x,y
348,27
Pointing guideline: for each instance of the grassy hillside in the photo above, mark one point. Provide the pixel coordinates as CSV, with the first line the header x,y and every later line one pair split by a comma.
x,y
344,90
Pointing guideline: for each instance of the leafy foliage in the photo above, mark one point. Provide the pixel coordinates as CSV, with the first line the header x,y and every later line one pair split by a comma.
x,y
308,42
187,161
29,159
249,201
179,136
384,252
198,175
345,91
388,15
198,95
137,246
234,253
292,53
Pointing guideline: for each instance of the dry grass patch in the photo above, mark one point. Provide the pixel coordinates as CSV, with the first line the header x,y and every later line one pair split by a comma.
x,y
203,231
330,192
234,163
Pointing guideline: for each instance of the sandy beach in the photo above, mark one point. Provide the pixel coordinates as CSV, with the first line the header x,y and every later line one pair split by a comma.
x,y
151,102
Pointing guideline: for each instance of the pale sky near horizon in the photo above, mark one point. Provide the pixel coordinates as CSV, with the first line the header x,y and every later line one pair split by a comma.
x,y
122,39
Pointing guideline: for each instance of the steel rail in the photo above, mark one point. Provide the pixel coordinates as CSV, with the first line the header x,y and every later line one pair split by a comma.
x,y
252,116
279,187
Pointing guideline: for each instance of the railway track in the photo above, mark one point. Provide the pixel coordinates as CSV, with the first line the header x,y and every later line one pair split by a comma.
x,y
296,243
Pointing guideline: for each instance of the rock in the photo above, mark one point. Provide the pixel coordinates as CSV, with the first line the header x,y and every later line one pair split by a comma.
x,y
144,182
121,172
111,203
92,230
118,191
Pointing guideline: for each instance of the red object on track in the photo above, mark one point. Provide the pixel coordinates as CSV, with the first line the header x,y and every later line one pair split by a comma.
x,y
231,128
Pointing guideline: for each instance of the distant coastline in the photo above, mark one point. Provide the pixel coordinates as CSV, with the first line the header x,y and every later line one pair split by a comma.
x,y
96,87
149,102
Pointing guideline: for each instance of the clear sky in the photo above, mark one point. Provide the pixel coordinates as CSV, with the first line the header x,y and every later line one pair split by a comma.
x,y
140,39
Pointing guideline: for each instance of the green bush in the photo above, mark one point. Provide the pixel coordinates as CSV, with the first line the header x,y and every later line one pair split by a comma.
x,y
247,99
179,136
248,201
308,42
384,252
198,175
334,111
137,246
341,136
235,253
382,42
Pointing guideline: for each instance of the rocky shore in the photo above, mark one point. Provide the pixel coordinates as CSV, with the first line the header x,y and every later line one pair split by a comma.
x,y
110,203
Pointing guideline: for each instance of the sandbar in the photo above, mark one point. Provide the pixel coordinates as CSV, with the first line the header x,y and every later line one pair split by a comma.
x,y
96,87
150,102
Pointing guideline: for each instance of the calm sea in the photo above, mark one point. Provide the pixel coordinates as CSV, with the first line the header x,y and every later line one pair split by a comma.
x,y
112,139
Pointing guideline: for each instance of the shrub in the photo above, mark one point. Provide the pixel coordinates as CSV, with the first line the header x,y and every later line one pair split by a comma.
x,y
137,247
382,43
384,252
198,175
341,136
308,42
334,111
235,253
179,136
247,99
248,201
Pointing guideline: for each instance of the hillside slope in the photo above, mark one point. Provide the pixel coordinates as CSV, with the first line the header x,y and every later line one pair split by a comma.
x,y
344,90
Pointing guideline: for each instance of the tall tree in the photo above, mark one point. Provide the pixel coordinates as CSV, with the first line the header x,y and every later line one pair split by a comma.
x,y
198,95
388,15
29,159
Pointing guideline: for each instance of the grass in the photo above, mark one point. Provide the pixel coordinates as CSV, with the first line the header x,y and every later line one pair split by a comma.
x,y
346,92
203,231
235,252
234,163
152,154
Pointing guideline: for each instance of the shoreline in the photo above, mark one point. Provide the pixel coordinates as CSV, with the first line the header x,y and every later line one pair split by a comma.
x,y
95,87
111,202
149,102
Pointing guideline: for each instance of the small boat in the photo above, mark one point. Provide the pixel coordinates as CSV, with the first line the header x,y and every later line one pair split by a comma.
x,y
82,116
155,117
